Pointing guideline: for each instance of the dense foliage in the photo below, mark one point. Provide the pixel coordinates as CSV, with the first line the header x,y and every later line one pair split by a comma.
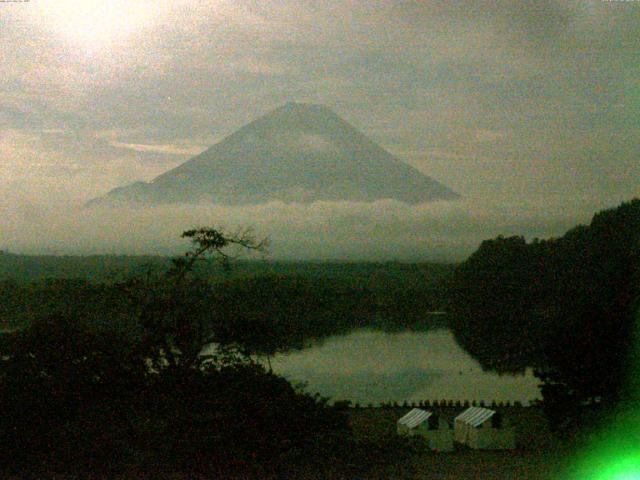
x,y
498,303
108,378
76,400
264,308
565,306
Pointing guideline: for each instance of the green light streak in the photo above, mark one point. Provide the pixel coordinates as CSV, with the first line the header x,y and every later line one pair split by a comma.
x,y
625,468
615,453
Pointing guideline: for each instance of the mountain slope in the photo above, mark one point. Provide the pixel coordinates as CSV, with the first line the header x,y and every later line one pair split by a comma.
x,y
297,152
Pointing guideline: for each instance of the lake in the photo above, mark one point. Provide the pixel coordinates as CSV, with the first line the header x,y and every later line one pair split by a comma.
x,y
369,366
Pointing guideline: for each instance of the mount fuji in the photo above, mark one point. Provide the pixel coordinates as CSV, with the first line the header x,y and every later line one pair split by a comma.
x,y
296,153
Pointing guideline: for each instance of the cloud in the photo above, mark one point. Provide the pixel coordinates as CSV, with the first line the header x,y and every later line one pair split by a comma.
x,y
383,230
169,149
63,168
522,107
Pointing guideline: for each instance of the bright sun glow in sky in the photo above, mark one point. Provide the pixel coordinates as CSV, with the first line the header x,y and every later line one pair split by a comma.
x,y
94,24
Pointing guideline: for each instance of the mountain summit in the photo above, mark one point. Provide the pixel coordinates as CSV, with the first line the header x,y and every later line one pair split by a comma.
x,y
296,153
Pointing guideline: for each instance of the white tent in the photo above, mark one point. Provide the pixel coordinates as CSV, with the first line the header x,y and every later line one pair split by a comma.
x,y
482,428
414,418
426,424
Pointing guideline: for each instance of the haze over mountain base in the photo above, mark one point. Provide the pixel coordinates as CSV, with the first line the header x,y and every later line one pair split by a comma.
x,y
381,231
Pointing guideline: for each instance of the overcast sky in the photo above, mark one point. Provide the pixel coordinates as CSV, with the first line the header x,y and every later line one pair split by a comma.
x,y
530,107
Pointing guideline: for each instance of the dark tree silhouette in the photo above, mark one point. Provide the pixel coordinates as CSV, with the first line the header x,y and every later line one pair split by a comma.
x,y
101,395
565,306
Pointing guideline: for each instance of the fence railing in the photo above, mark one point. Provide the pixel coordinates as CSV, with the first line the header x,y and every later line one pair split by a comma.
x,y
440,404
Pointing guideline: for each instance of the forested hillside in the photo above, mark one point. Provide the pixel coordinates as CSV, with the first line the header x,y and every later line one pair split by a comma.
x,y
565,306
302,301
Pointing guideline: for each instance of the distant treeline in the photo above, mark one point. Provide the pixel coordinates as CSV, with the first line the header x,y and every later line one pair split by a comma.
x,y
566,306
94,268
265,306
101,268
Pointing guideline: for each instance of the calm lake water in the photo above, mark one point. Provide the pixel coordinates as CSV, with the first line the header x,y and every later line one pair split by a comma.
x,y
372,367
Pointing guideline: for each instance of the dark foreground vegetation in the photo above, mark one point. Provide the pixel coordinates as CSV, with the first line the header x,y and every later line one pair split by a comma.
x,y
566,306
105,376
107,379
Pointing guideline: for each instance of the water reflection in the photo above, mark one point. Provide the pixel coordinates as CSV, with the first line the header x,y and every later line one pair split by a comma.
x,y
372,367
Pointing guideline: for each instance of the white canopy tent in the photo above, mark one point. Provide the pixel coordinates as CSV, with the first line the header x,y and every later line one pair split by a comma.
x,y
482,428
426,424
